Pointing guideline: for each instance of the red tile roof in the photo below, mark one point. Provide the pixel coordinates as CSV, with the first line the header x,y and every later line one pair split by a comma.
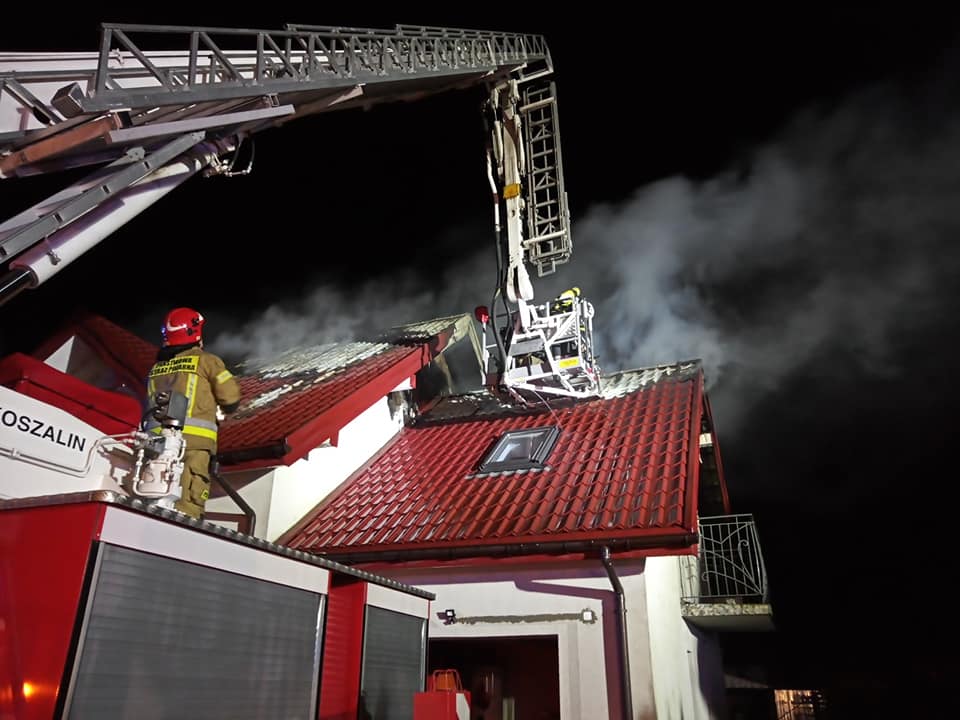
x,y
624,472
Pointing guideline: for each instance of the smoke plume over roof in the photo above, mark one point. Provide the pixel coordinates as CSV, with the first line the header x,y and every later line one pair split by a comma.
x,y
833,237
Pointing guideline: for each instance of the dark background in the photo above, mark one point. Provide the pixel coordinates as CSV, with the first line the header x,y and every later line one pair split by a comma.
x,y
833,389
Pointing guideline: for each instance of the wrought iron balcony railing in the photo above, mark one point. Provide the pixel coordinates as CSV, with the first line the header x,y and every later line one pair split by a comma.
x,y
729,566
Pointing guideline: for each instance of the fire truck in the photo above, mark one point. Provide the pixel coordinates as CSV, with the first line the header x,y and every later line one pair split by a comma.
x,y
114,605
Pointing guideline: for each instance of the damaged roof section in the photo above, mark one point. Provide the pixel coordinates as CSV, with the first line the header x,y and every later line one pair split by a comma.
x,y
295,401
286,414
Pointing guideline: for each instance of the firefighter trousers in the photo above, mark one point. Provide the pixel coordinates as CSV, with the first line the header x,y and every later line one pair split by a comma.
x,y
194,483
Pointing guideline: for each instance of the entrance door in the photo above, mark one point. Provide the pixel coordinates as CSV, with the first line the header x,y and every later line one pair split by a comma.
x,y
514,678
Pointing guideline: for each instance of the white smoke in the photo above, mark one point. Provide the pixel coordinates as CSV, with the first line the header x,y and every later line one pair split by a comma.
x,y
837,238
330,314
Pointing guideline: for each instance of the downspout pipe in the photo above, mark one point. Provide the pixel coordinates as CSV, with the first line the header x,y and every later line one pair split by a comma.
x,y
622,621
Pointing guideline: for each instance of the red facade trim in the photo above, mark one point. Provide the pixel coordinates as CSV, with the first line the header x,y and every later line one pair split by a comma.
x,y
342,649
690,505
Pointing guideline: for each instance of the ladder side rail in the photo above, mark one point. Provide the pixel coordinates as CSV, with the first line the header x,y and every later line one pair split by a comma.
x,y
337,29
504,47
545,216
548,226
438,31
529,41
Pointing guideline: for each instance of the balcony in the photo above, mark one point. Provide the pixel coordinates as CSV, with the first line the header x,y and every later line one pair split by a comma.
x,y
724,587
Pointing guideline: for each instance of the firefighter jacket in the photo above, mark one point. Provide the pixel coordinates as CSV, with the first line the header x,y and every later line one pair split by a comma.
x,y
206,382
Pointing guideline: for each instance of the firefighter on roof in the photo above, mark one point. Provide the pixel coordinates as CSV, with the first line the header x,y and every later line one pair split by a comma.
x,y
184,366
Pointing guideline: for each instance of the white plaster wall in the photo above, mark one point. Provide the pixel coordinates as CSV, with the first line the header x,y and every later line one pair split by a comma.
x,y
633,577
299,487
687,663
588,653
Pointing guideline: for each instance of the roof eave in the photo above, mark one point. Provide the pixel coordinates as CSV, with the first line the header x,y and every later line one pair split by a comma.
x,y
266,455
669,539
708,411
691,508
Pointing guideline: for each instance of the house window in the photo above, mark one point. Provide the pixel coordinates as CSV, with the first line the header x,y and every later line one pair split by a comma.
x,y
520,450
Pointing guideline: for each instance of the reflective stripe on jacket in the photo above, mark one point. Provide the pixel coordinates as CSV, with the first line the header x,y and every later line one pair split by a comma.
x,y
205,381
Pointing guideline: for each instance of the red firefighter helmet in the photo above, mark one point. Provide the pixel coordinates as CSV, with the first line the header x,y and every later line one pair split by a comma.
x,y
182,326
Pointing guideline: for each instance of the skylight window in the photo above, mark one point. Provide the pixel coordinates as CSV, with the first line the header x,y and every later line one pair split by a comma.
x,y
520,450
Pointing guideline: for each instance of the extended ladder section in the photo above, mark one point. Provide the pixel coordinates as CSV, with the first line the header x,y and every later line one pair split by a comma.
x,y
206,90
206,72
547,348
548,240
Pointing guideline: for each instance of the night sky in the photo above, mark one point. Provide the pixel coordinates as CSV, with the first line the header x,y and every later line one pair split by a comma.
x,y
777,193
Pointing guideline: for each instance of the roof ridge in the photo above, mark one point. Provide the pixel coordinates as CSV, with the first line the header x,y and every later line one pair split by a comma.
x,y
691,362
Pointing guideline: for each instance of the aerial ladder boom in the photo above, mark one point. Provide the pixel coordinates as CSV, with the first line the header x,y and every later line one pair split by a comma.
x,y
205,92
546,348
